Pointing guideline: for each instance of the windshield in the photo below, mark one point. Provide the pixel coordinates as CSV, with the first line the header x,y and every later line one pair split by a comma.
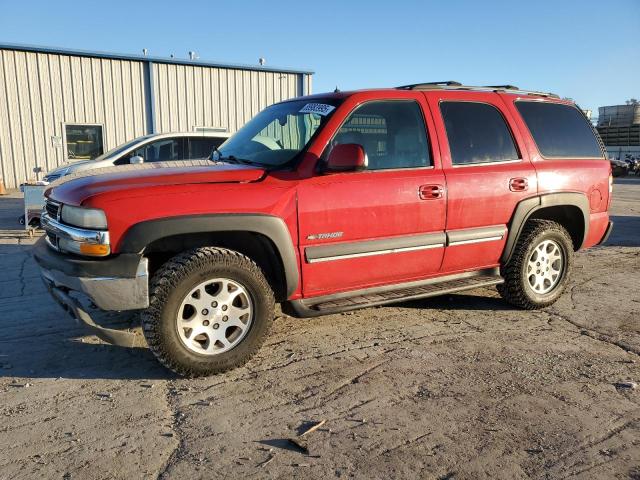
x,y
121,148
279,132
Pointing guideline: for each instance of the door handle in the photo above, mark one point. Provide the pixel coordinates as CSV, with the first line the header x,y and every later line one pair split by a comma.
x,y
430,192
518,184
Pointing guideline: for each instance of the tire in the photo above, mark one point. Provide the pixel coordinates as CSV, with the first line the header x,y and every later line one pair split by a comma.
x,y
522,286
173,290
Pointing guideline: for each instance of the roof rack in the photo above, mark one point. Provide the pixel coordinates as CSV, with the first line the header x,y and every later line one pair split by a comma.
x,y
418,86
505,87
452,85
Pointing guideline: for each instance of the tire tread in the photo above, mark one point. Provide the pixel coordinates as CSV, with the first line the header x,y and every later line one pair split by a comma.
x,y
513,289
169,276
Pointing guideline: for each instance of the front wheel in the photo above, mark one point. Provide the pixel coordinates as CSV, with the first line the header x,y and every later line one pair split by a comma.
x,y
210,310
539,268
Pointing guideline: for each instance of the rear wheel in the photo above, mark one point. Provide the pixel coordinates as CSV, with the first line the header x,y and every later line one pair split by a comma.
x,y
210,310
539,268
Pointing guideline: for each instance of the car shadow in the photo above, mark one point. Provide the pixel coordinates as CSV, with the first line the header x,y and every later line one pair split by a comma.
x,y
71,358
456,302
626,231
38,339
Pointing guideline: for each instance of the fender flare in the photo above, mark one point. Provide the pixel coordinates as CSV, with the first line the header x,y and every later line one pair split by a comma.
x,y
274,228
528,206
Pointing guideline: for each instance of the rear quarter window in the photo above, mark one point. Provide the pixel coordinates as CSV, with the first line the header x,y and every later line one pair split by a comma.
x,y
560,131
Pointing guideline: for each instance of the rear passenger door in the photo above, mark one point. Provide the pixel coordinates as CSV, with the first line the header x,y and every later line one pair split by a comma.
x,y
487,175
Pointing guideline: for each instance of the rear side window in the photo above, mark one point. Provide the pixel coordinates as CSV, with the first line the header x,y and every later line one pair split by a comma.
x,y
203,147
559,130
477,133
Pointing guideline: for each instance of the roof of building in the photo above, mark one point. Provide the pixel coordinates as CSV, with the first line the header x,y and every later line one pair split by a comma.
x,y
145,58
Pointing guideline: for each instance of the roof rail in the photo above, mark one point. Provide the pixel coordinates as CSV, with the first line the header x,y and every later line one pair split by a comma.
x,y
503,87
424,85
451,85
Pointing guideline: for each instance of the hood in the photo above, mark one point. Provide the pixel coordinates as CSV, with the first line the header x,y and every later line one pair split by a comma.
x,y
74,190
68,166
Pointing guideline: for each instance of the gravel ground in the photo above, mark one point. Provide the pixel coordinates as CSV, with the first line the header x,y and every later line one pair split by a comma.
x,y
462,386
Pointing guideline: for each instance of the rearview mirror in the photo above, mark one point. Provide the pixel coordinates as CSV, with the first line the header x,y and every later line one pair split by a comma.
x,y
347,157
136,160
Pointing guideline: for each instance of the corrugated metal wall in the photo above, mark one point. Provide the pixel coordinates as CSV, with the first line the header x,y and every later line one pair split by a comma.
x,y
189,96
40,92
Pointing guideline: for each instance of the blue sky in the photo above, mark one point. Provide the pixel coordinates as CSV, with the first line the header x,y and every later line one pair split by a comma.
x,y
585,49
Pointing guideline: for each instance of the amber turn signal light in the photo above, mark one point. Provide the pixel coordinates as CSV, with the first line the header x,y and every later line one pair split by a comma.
x,y
94,249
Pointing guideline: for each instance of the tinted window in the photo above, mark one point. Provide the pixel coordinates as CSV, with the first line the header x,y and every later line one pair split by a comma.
x,y
202,147
392,134
477,133
559,130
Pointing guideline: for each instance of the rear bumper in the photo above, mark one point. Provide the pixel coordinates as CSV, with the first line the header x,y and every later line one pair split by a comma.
x,y
607,232
112,284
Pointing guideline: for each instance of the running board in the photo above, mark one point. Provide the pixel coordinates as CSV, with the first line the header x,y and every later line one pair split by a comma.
x,y
342,302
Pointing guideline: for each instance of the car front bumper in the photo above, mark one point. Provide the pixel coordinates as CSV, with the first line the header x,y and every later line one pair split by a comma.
x,y
118,283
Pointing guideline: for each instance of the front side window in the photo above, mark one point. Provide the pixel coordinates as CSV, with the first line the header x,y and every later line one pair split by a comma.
x,y
477,133
559,130
392,134
84,142
279,133
116,151
164,150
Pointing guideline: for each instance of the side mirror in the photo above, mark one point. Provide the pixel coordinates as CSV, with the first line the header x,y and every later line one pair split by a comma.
x,y
136,160
347,157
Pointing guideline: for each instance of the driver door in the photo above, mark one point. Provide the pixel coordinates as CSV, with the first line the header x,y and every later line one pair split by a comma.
x,y
381,225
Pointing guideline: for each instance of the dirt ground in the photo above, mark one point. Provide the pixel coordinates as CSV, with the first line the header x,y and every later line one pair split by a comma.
x,y
462,386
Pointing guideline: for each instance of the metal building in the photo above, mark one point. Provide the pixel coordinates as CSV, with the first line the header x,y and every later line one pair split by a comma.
x,y
57,105
619,127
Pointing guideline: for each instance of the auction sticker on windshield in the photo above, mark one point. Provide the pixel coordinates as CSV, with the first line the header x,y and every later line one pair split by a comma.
x,y
319,108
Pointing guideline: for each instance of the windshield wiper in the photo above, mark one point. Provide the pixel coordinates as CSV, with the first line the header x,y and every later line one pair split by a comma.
x,y
236,160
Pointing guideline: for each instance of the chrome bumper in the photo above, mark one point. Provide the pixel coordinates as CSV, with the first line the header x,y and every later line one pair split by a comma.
x,y
56,230
108,293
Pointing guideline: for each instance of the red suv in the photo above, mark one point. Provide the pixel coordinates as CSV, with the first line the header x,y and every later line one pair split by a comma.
x,y
329,203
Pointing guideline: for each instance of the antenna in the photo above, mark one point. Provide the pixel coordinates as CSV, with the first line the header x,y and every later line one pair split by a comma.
x,y
145,51
261,61
193,55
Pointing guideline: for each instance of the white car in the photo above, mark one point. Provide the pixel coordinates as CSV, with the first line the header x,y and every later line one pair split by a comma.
x,y
162,147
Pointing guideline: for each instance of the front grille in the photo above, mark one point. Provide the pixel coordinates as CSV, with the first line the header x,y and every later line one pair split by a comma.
x,y
52,209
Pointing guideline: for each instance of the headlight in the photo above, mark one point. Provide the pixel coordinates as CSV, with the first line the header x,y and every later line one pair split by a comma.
x,y
84,217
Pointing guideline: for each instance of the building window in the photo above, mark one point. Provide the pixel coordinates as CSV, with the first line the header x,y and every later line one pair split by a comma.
x,y
477,133
83,141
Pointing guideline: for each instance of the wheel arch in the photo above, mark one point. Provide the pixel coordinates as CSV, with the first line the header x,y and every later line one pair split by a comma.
x,y
569,209
263,238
